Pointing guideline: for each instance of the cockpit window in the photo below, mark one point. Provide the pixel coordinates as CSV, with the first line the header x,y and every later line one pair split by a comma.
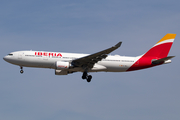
x,y
10,54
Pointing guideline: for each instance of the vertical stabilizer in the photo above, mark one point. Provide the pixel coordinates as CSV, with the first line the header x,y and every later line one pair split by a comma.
x,y
162,47
158,53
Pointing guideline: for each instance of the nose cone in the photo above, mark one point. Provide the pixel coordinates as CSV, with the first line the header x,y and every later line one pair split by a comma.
x,y
5,58
8,59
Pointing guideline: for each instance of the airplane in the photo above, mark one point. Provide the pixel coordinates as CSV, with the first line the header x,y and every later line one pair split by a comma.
x,y
66,63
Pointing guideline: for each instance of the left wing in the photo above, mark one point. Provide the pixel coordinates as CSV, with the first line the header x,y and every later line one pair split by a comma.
x,y
90,60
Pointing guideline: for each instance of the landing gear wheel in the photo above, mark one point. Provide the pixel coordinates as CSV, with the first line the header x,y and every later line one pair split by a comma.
x,y
84,76
89,78
21,71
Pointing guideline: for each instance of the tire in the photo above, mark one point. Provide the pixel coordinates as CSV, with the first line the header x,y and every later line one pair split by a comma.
x,y
84,76
89,78
21,71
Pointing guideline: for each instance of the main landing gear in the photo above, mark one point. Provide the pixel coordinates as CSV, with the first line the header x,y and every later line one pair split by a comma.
x,y
87,77
21,71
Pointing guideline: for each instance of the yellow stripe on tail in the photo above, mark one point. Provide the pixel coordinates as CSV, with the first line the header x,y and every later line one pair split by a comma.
x,y
167,37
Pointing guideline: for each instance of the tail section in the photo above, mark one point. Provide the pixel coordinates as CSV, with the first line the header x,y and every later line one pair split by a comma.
x,y
162,47
158,53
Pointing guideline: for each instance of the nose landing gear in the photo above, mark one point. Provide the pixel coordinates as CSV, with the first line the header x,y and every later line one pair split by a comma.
x,y
87,77
21,71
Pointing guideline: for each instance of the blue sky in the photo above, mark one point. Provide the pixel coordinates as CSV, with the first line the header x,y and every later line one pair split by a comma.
x,y
88,27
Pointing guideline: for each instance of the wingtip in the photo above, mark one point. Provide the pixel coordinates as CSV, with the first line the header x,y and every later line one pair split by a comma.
x,y
118,44
171,57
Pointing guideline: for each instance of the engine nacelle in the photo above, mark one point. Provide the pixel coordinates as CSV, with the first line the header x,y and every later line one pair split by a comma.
x,y
61,72
60,65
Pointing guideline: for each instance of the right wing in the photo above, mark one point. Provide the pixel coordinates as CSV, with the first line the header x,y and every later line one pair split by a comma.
x,y
90,60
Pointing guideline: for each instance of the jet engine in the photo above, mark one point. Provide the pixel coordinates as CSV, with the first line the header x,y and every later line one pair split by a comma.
x,y
61,65
61,72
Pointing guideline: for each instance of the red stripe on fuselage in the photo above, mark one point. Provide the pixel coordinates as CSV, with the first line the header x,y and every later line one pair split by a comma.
x,y
156,52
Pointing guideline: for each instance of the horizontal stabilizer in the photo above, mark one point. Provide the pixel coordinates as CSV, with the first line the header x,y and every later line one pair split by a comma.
x,y
162,60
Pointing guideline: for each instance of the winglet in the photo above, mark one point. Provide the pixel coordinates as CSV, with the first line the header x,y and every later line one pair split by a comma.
x,y
118,44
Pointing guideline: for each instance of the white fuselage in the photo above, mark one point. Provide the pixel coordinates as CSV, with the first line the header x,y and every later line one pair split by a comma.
x,y
66,63
41,59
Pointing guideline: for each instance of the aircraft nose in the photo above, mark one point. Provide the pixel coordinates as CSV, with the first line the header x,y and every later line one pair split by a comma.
x,y
5,58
